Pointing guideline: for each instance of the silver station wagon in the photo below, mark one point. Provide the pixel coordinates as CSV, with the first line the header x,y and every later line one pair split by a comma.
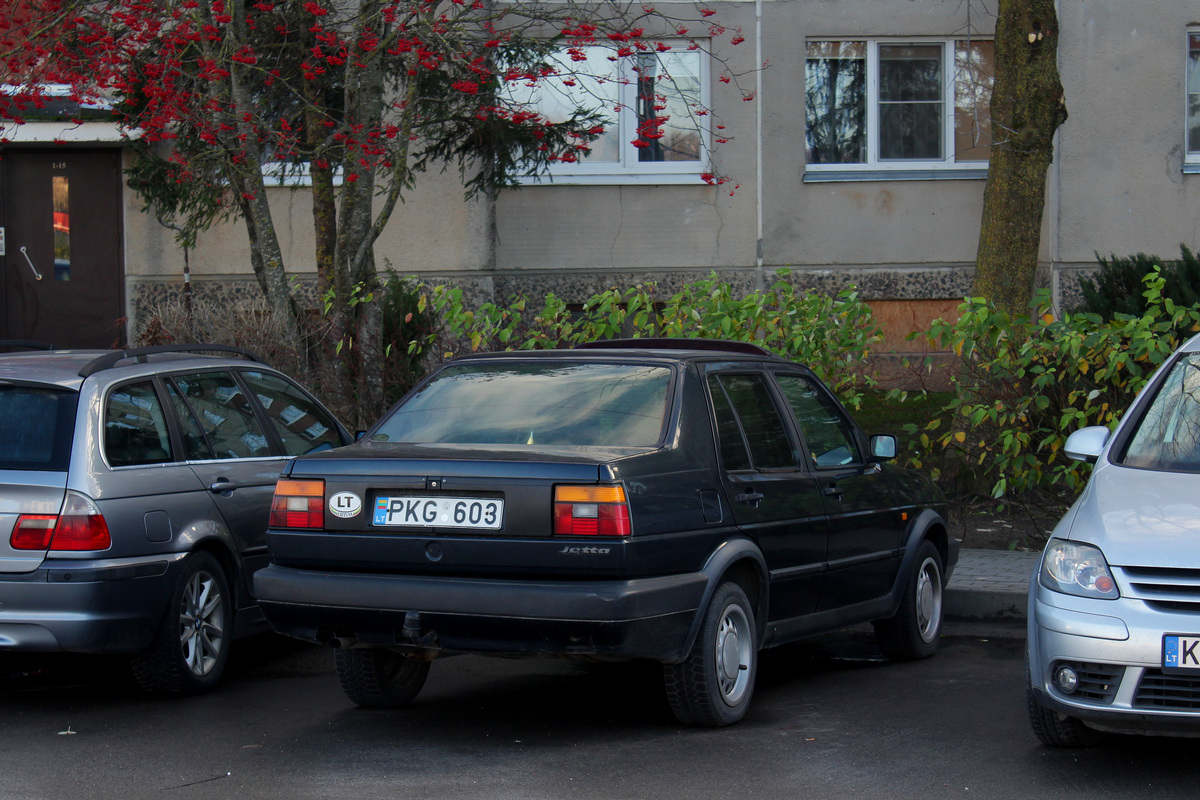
x,y
135,489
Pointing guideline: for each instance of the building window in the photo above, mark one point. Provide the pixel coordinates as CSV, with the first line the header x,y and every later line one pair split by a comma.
x,y
653,106
1193,101
877,105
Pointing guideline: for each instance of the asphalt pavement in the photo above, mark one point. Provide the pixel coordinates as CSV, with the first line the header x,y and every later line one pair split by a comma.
x,y
990,584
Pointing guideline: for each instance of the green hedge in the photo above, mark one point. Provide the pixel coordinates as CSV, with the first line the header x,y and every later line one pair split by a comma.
x,y
1026,383
833,335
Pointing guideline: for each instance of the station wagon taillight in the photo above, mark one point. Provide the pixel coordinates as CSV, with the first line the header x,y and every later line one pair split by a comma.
x,y
298,504
80,526
591,511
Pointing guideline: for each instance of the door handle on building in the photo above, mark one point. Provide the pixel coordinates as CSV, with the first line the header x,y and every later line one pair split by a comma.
x,y
29,261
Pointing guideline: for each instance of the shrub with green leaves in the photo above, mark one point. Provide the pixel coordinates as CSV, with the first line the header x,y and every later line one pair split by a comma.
x,y
1116,288
832,335
1026,383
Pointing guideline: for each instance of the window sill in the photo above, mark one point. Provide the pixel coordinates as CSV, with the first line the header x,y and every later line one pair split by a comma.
x,y
643,179
832,176
1191,169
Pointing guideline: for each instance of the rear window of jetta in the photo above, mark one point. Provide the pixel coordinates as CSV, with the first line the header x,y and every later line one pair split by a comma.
x,y
36,425
572,404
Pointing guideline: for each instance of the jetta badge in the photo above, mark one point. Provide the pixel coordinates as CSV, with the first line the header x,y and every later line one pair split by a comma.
x,y
345,505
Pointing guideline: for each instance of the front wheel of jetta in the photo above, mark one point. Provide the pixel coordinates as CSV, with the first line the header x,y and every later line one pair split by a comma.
x,y
375,677
714,684
915,630
191,646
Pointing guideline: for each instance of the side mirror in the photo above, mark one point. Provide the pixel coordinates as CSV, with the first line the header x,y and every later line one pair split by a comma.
x,y
1086,444
883,447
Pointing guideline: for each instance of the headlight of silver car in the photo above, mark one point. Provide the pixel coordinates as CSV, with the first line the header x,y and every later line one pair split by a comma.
x,y
1078,569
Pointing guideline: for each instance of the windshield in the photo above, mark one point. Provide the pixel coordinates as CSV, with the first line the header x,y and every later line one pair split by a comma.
x,y
611,405
1168,436
36,425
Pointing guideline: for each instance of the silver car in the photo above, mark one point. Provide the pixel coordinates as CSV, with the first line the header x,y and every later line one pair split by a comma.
x,y
1114,608
135,488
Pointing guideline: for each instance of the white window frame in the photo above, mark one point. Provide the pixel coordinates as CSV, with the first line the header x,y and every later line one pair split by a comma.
x,y
1191,158
875,167
629,170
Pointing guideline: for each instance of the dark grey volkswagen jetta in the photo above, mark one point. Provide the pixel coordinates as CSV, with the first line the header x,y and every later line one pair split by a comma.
x,y
685,501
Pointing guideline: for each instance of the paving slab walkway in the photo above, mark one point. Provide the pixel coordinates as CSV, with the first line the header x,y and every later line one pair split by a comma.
x,y
990,584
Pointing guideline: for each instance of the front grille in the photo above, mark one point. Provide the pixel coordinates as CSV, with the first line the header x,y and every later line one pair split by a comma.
x,y
1097,682
1162,588
1174,692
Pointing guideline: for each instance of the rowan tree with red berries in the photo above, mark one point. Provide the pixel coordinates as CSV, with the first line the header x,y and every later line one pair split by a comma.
x,y
358,95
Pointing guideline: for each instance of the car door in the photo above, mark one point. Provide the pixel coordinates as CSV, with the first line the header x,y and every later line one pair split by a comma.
x,y
865,527
150,498
227,446
773,498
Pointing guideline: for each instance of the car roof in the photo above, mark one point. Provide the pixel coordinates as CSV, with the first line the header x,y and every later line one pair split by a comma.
x,y
69,368
669,349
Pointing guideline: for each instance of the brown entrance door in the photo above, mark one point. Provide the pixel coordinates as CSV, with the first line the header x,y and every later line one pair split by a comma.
x,y
62,281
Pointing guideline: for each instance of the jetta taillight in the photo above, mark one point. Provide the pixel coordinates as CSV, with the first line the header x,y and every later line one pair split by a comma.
x,y
298,504
79,526
591,511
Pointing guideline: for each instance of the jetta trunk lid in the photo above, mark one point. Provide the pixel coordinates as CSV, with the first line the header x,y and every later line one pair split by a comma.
x,y
521,480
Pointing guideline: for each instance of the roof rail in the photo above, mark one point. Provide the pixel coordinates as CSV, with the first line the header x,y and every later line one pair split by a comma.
x,y
724,345
110,360
24,344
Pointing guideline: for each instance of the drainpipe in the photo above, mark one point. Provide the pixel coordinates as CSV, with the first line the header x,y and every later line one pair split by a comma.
x,y
760,278
1053,220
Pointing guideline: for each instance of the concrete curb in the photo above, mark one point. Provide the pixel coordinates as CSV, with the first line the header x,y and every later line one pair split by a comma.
x,y
990,584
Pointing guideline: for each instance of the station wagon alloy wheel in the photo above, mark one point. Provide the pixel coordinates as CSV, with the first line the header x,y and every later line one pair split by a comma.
x,y
201,623
190,649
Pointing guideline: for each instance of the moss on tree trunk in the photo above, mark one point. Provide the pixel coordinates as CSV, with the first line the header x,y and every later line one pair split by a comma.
x,y
1027,108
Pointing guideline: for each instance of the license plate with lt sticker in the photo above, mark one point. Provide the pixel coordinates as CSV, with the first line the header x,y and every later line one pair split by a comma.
x,y
1181,652
480,513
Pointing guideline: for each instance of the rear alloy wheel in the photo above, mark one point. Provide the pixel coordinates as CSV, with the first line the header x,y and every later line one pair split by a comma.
x,y
375,677
191,646
713,686
915,630
1053,729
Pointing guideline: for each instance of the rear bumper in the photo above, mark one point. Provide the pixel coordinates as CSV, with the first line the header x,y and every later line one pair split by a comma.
x,y
85,606
641,618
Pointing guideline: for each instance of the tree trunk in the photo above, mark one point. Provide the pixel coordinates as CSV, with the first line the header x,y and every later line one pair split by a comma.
x,y
246,178
354,258
1027,108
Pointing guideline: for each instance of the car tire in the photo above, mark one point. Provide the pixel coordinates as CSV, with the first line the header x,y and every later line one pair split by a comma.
x,y
916,628
191,646
1053,729
714,684
375,677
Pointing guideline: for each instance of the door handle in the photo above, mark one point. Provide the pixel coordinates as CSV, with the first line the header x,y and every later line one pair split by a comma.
x,y
29,261
833,491
222,486
749,497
